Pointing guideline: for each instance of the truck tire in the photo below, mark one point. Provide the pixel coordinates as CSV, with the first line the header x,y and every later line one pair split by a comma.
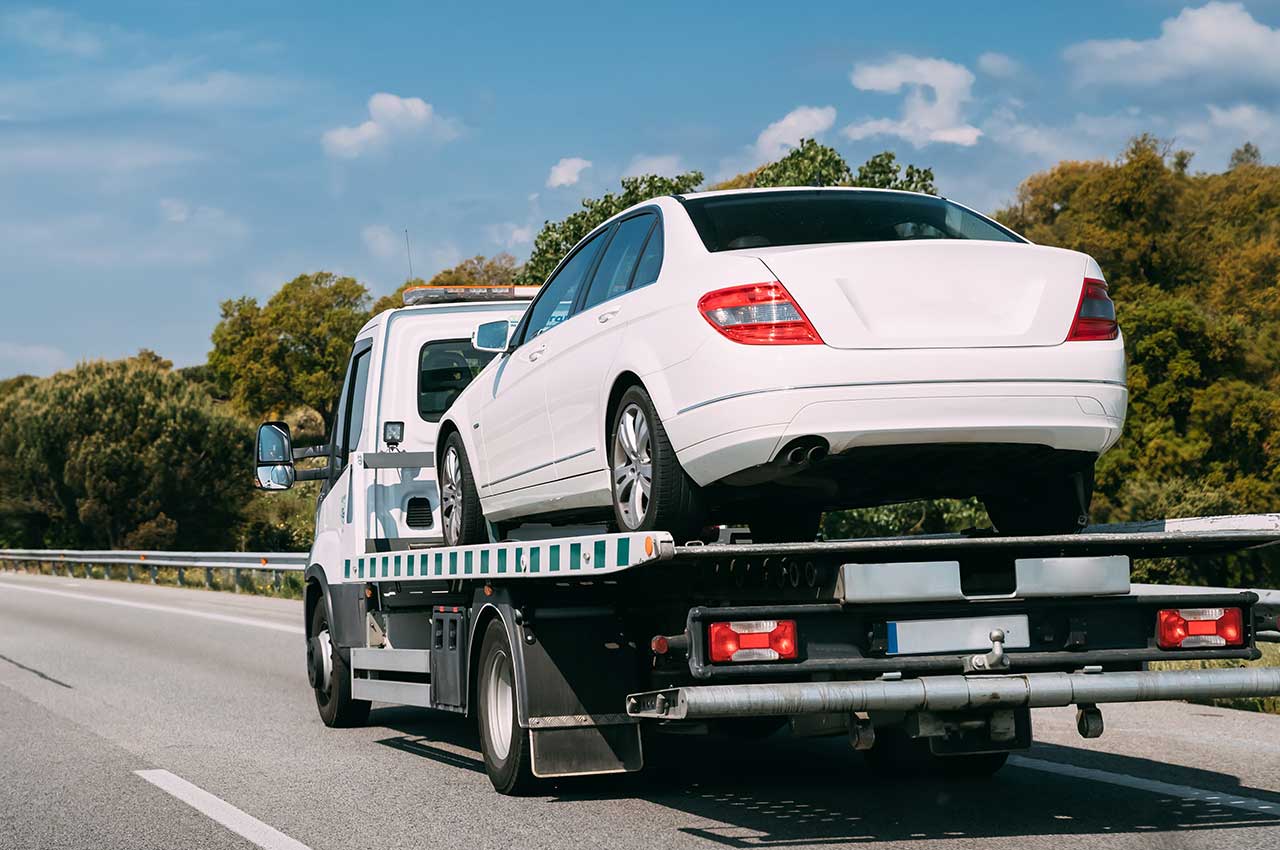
x,y
504,745
899,756
331,684
1058,505
460,517
664,500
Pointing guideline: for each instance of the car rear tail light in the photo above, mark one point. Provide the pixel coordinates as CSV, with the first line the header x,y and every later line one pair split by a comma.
x,y
1188,628
758,314
1095,314
753,640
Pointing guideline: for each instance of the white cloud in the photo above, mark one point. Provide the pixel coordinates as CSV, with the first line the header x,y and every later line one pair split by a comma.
x,y
1083,137
20,358
51,30
803,122
999,65
1218,42
567,171
390,116
381,241
90,155
511,235
664,165
174,210
936,91
1225,128
177,85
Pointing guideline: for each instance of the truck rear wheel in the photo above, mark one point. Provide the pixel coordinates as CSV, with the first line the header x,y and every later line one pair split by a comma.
x,y
330,676
504,745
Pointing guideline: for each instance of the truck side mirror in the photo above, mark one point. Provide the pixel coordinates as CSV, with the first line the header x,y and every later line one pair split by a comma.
x,y
274,457
492,336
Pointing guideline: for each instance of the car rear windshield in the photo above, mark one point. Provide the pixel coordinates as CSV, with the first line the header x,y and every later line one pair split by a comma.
x,y
768,219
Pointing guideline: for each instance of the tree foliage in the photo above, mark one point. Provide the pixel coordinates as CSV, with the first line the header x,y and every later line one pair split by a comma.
x,y
293,350
123,454
815,164
557,237
498,270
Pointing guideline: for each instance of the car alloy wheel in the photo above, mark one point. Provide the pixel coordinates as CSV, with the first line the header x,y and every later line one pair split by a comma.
x,y
632,465
451,495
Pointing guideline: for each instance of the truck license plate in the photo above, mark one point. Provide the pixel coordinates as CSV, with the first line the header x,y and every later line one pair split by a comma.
x,y
959,634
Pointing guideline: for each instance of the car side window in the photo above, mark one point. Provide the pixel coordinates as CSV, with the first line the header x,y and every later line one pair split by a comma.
x,y
555,302
619,260
650,259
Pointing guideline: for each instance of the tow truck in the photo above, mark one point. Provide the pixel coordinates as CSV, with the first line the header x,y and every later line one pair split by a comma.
x,y
570,645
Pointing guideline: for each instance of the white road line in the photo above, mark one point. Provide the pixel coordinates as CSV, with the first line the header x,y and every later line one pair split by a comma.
x,y
166,609
1184,792
242,824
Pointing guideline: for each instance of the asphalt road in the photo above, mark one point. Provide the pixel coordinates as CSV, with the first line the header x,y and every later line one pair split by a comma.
x,y
138,717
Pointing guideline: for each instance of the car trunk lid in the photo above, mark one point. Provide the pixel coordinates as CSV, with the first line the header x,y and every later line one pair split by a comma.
x,y
932,293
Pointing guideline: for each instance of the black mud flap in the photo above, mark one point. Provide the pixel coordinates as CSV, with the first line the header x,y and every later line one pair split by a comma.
x,y
969,738
586,750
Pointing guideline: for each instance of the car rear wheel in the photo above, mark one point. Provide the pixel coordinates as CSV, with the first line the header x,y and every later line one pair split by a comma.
x,y
651,492
460,516
1055,505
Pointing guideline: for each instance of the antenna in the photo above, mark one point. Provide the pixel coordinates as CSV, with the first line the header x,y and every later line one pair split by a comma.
x,y
408,252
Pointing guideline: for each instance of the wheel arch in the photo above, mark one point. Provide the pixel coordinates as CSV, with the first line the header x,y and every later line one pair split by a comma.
x,y
623,382
487,612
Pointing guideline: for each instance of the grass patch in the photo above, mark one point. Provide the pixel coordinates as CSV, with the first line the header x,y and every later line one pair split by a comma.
x,y
1270,658
256,582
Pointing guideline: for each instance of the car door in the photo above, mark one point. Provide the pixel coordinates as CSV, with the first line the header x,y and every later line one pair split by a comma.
x,y
514,427
581,364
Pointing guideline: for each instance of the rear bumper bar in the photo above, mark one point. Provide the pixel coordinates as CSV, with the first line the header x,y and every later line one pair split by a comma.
x,y
951,693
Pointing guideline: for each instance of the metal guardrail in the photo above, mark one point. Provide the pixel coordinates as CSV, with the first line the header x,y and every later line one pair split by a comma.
x,y
150,561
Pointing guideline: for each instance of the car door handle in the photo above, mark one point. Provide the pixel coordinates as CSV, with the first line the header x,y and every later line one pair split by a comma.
x,y
536,353
607,315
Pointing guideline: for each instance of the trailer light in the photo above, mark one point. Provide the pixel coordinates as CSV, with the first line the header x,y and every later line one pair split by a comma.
x,y
660,645
1188,628
753,640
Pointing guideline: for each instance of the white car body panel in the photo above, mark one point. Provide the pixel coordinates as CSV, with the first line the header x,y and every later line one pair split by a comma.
x,y
928,356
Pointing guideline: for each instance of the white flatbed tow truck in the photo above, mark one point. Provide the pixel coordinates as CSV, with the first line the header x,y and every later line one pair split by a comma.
x,y
928,651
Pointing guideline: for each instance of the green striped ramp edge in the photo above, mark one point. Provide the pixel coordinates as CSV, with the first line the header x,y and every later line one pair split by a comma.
x,y
597,554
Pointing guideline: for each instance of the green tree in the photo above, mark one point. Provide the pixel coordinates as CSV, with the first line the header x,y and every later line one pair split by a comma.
x,y
557,237
1246,154
120,454
293,350
815,164
498,270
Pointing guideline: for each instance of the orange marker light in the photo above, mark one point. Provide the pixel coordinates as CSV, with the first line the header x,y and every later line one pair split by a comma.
x,y
648,545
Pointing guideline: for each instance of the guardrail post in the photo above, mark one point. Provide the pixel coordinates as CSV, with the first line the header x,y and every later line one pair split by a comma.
x,y
153,574
106,571
182,576
275,580
128,572
208,578
235,579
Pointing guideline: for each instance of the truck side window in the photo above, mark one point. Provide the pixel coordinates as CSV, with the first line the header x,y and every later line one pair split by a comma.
x,y
445,367
353,415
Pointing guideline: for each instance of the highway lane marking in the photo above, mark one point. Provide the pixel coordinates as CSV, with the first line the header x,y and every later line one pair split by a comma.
x,y
220,811
166,609
1184,792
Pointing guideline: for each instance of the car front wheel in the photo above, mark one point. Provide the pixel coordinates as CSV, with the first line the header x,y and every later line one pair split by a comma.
x,y
651,492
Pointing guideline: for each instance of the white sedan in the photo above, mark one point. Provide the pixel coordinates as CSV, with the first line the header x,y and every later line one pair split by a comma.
x,y
762,356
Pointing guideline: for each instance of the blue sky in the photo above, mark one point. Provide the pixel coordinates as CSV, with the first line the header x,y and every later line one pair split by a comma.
x,y
158,158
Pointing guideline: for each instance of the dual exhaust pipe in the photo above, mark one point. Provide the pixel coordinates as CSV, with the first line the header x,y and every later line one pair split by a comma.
x,y
805,451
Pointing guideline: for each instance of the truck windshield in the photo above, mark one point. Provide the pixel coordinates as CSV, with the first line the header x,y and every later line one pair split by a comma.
x,y
767,219
445,367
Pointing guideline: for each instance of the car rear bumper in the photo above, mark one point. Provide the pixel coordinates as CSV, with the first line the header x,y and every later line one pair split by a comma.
x,y
722,436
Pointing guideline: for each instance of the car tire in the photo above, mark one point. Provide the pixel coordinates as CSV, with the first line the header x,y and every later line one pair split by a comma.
x,y
1057,505
666,499
504,745
332,683
461,520
781,525
896,755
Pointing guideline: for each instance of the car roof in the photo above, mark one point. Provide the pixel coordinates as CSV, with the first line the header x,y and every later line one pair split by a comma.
x,y
764,189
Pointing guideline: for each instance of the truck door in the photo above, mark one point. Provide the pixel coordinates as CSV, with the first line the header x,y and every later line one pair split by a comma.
x,y
342,509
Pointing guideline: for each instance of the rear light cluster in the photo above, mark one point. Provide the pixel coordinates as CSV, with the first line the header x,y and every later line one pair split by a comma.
x,y
1189,628
758,314
753,640
1095,314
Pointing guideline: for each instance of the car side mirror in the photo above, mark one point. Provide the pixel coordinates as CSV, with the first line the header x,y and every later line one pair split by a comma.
x,y
273,457
492,336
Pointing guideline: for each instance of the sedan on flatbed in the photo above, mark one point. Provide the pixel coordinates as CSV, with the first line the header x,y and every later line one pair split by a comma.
x,y
763,356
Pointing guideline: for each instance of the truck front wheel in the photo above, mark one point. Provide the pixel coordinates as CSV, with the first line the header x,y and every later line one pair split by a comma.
x,y
504,745
331,677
